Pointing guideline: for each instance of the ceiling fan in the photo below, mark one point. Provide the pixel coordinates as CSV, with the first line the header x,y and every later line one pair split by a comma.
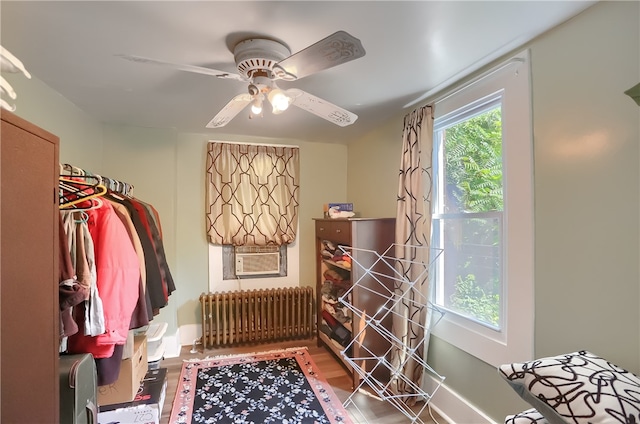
x,y
261,62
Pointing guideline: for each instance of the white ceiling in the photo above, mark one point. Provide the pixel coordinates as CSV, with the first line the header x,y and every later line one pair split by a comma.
x,y
412,47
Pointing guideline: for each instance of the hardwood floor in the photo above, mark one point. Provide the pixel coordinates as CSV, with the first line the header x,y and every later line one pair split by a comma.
x,y
374,410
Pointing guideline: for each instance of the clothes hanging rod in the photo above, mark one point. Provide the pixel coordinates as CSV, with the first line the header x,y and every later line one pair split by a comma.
x,y
75,170
111,183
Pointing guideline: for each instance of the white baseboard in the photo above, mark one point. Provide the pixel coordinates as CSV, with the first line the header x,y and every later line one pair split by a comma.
x,y
186,335
172,345
189,333
455,409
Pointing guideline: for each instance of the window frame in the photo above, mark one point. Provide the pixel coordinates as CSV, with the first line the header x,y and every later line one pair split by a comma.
x,y
467,112
513,341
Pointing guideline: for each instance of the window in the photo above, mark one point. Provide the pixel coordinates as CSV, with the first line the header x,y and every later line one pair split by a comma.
x,y
251,212
468,211
252,194
483,215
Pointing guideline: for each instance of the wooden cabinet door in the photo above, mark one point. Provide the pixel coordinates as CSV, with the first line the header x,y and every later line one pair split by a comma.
x,y
29,310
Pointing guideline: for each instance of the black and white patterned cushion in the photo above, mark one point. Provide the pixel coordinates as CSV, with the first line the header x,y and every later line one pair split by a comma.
x,y
530,416
578,388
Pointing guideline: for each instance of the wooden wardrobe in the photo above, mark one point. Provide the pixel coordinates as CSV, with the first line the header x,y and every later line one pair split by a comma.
x,y
29,309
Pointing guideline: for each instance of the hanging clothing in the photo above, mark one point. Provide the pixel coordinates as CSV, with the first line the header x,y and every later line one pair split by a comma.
x,y
118,279
143,312
108,369
125,217
83,260
71,293
154,278
152,222
116,266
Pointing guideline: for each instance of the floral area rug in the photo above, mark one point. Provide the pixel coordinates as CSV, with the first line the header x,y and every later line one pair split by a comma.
x,y
283,387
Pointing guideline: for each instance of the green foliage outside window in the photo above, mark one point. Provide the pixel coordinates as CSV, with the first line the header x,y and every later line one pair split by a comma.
x,y
473,156
470,296
474,162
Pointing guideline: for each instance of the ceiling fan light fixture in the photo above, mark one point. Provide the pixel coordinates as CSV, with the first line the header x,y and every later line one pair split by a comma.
x,y
279,100
256,105
262,61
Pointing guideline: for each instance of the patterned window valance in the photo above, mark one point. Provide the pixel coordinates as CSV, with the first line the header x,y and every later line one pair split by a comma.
x,y
252,194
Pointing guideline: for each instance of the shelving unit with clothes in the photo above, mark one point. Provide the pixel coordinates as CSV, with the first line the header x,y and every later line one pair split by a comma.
x,y
335,277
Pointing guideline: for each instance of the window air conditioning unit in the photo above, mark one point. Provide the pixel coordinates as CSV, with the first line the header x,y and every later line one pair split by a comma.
x,y
257,260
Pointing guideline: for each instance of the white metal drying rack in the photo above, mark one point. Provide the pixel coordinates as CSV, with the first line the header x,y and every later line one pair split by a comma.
x,y
404,292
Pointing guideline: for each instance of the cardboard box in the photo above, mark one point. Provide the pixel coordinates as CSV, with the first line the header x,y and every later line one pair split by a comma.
x,y
146,407
337,206
132,371
127,351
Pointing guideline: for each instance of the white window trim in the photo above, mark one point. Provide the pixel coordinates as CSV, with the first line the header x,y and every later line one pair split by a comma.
x,y
515,341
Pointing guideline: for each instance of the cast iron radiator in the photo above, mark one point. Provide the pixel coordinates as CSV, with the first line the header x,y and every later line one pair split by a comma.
x,y
257,316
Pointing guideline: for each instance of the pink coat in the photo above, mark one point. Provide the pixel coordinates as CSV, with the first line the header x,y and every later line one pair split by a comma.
x,y
118,279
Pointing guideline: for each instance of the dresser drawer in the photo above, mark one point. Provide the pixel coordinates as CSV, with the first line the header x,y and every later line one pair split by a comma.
x,y
323,229
341,232
338,231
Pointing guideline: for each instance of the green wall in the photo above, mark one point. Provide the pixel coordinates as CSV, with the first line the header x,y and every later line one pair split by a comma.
x,y
80,135
317,160
167,170
586,164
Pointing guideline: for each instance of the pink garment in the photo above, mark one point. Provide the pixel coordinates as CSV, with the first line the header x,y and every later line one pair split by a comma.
x,y
118,279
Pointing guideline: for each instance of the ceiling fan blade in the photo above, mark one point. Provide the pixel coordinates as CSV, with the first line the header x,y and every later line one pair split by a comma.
x,y
230,110
336,49
188,68
321,108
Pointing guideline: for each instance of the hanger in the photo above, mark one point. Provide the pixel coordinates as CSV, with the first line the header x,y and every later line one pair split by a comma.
x,y
119,187
87,179
82,205
81,216
72,192
74,173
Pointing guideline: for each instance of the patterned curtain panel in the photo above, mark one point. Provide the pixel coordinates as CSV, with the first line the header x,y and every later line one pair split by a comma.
x,y
413,230
252,194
